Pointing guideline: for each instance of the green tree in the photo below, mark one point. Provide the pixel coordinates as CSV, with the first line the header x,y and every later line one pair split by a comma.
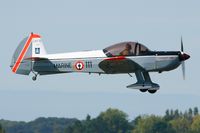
x,y
152,124
1,129
180,125
76,128
176,113
88,118
135,121
195,127
162,126
110,121
115,121
196,111
167,116
190,112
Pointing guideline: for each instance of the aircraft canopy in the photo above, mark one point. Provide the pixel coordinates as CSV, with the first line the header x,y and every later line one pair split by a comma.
x,y
126,49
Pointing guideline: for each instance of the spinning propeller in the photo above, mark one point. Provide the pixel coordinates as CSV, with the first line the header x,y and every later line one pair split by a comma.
x,y
183,56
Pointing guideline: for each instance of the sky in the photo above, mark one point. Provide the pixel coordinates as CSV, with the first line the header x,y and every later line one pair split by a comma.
x,y
67,26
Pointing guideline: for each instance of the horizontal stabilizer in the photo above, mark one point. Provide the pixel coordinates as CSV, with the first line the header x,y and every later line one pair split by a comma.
x,y
36,58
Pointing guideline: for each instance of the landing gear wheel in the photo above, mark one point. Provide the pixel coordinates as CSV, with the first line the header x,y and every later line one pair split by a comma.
x,y
34,78
152,91
143,90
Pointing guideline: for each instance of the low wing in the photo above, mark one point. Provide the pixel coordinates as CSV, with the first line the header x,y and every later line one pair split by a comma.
x,y
119,64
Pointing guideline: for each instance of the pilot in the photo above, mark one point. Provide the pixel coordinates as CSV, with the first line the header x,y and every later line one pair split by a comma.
x,y
127,50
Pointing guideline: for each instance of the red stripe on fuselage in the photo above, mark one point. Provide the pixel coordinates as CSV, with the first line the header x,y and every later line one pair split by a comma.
x,y
23,52
116,58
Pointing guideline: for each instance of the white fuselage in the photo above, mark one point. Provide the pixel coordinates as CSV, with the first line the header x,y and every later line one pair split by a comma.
x,y
77,55
89,62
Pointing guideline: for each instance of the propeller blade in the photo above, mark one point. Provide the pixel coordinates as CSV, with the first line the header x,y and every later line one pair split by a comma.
x,y
183,69
182,45
184,57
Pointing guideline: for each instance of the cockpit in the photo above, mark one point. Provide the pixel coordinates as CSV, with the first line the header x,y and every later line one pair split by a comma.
x,y
126,49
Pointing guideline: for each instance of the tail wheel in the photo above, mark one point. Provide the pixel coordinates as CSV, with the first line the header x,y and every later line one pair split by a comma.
x,y
152,91
143,90
34,78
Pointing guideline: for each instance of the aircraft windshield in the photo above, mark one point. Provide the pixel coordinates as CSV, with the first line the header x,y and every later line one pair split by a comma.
x,y
126,49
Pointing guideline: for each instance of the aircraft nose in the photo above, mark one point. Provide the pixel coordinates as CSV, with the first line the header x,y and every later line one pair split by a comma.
x,y
184,57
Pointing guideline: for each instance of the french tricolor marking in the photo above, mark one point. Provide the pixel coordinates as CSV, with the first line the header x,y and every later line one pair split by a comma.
x,y
79,65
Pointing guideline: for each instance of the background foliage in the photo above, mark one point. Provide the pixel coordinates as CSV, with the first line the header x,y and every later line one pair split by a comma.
x,y
111,121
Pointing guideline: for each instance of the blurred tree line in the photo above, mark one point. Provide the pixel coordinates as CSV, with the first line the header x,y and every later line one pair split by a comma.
x,y
116,121
2,130
111,121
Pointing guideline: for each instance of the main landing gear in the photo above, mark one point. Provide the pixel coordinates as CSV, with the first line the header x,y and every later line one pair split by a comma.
x,y
144,87
150,91
143,90
144,83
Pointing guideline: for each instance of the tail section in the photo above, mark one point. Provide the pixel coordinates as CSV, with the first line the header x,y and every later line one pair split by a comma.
x,y
30,47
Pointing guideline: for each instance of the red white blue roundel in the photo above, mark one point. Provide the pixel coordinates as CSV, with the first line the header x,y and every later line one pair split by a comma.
x,y
79,65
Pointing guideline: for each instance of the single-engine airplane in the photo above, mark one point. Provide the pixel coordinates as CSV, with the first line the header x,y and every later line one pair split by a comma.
x,y
122,58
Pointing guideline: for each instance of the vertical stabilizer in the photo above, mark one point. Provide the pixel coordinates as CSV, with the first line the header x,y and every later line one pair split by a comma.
x,y
30,47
